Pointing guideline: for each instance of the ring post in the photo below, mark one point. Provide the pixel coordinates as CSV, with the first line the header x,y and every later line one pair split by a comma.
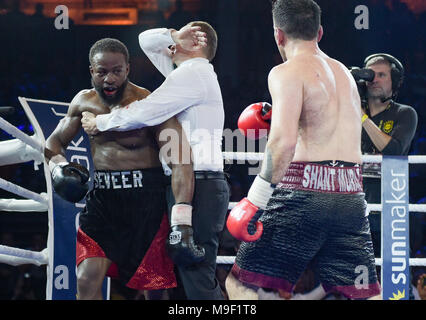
x,y
395,275
63,215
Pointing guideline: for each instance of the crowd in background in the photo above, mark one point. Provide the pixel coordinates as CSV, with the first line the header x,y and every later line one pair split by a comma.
x,y
38,61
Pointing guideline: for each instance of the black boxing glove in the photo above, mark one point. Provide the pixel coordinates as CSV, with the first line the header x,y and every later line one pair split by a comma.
x,y
181,246
70,180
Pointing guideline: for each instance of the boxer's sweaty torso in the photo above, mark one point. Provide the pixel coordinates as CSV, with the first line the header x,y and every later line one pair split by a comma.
x,y
330,121
135,149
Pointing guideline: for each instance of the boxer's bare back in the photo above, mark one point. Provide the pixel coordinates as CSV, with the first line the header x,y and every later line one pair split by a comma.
x,y
330,117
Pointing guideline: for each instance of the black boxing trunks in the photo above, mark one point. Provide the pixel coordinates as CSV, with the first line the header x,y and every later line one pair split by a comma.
x,y
125,220
316,215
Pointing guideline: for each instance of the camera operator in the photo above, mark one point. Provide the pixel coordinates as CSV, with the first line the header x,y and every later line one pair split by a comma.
x,y
388,126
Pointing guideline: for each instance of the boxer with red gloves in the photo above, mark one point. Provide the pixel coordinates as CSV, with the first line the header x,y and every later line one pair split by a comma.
x,y
255,121
313,215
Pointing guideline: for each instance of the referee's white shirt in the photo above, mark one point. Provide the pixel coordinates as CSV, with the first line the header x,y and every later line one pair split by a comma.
x,y
190,92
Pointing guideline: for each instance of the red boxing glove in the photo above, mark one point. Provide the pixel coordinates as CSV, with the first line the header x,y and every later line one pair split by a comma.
x,y
254,121
239,219
242,214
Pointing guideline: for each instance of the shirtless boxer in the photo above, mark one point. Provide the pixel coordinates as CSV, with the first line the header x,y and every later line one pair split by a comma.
x,y
310,185
124,224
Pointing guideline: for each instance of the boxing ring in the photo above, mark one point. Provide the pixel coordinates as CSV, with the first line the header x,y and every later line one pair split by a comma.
x,y
59,254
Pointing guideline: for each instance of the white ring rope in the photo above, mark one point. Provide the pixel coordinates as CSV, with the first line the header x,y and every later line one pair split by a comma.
x,y
11,187
243,156
414,262
258,156
16,256
11,129
411,207
22,205
372,207
16,151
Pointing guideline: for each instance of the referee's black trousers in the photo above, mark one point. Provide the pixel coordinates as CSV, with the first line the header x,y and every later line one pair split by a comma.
x,y
210,205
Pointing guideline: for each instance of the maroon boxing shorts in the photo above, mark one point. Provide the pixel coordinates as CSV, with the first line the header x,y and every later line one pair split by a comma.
x,y
315,216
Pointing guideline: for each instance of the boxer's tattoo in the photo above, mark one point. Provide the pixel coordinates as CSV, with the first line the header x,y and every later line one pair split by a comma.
x,y
266,171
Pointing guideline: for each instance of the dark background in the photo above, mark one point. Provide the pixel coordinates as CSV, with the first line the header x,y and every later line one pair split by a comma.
x,y
38,61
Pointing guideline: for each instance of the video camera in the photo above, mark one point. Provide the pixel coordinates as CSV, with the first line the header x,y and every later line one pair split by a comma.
x,y
361,76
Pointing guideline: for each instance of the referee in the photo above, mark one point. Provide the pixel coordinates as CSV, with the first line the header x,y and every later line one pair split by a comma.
x,y
190,92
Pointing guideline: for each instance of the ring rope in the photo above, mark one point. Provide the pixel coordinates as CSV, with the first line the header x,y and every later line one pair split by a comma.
x,y
16,256
372,207
414,262
258,156
16,151
22,205
411,207
11,129
11,187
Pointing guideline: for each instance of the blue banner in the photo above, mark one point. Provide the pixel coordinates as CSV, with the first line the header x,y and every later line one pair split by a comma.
x,y
63,215
395,277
